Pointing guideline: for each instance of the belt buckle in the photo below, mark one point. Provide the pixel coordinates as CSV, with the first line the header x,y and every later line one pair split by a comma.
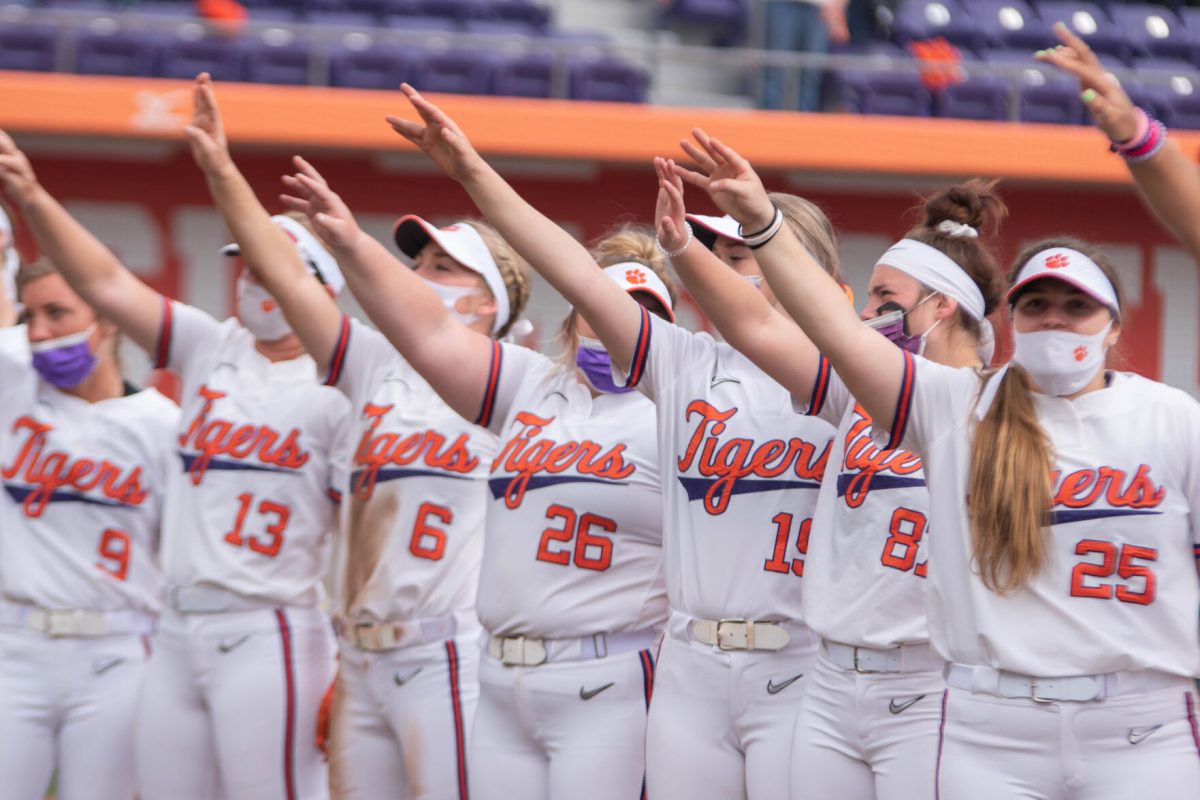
x,y
1033,693
859,668
56,622
745,642
512,651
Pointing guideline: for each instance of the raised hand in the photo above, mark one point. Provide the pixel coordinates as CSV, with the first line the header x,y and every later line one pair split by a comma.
x,y
206,133
729,180
1107,102
669,213
311,196
16,173
439,138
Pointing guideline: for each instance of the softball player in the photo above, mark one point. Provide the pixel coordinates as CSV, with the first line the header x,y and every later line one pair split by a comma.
x,y
736,650
243,654
572,615
10,262
83,462
870,718
1072,644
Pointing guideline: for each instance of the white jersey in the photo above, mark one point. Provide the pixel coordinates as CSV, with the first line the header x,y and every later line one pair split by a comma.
x,y
252,497
574,526
83,491
1119,590
414,511
866,569
741,474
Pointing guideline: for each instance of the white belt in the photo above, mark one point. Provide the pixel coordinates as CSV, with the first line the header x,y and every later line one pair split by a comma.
x,y
526,651
391,635
740,634
200,599
905,658
60,622
1074,688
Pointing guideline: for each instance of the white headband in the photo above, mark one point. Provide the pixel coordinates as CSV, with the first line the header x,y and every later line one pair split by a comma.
x,y
936,270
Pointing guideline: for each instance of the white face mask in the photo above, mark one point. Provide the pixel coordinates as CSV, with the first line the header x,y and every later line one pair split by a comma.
x,y
1060,362
452,294
259,312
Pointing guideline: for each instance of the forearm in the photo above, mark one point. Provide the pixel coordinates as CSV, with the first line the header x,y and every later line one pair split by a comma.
x,y
1169,183
747,321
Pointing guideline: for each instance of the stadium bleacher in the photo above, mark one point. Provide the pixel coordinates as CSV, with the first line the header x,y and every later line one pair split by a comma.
x,y
518,48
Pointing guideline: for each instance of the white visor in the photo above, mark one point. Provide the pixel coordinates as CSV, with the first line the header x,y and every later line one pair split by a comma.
x,y
1071,267
936,270
319,260
465,245
634,277
707,229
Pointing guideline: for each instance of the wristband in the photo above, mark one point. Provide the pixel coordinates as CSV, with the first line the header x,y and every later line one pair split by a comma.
x,y
676,253
757,240
1154,142
1139,138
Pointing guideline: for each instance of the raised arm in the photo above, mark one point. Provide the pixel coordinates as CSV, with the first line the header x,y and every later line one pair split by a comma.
x,y
91,268
455,359
1168,180
268,252
739,311
554,253
871,366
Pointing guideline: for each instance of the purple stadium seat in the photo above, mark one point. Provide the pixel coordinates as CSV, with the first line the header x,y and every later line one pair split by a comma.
x,y
457,10
528,74
709,12
223,58
381,8
607,78
119,52
379,67
167,8
892,93
1152,30
998,23
980,96
455,71
1046,94
495,27
1089,20
530,13
342,19
1168,89
406,23
27,47
286,63
924,19
265,14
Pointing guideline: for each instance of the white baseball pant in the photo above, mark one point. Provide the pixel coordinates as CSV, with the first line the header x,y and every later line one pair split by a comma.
x,y
562,729
229,706
721,723
1135,745
68,703
400,721
867,735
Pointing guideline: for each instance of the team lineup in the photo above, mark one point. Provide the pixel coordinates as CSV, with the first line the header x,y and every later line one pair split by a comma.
x,y
834,553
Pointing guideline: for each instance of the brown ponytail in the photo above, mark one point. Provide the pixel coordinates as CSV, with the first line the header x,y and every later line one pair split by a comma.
x,y
1009,490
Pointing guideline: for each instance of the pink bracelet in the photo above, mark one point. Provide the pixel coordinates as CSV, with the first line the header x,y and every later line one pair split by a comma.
x,y
1138,140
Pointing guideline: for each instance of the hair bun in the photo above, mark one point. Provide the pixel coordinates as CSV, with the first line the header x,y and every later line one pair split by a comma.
x,y
973,203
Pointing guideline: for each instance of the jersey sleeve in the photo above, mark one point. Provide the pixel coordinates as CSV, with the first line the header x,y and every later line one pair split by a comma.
x,y
184,334
513,368
829,398
14,353
357,352
663,353
933,401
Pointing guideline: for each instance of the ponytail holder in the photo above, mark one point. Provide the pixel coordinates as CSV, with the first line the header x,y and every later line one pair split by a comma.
x,y
957,229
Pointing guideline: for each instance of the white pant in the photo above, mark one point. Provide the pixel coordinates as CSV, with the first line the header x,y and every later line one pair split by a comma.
x,y
563,729
400,721
68,703
721,723
1131,746
229,706
862,736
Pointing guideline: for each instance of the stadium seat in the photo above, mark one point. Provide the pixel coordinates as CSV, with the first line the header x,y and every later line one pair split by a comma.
x,y
1046,94
457,10
530,13
528,74
709,12
1152,30
991,24
27,47
342,19
413,23
455,71
981,95
285,62
1089,20
377,67
115,51
185,57
497,27
1167,88
923,19
606,78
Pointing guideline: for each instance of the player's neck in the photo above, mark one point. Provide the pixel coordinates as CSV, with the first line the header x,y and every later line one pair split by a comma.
x,y
103,384
954,350
285,349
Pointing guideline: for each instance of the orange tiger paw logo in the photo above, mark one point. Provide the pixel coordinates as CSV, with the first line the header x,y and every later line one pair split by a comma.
x,y
1081,353
635,276
1057,261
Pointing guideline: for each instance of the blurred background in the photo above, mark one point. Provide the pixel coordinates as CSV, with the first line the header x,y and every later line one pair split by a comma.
x,y
860,106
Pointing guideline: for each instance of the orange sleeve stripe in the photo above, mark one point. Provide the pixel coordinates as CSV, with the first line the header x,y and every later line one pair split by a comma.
x,y
820,390
903,403
162,348
338,361
641,351
488,406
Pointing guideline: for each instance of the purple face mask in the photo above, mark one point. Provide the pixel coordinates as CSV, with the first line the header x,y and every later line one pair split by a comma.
x,y
892,322
596,364
66,361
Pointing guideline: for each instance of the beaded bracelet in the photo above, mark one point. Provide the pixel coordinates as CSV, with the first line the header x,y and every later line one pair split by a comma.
x,y
757,240
676,253
1149,139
